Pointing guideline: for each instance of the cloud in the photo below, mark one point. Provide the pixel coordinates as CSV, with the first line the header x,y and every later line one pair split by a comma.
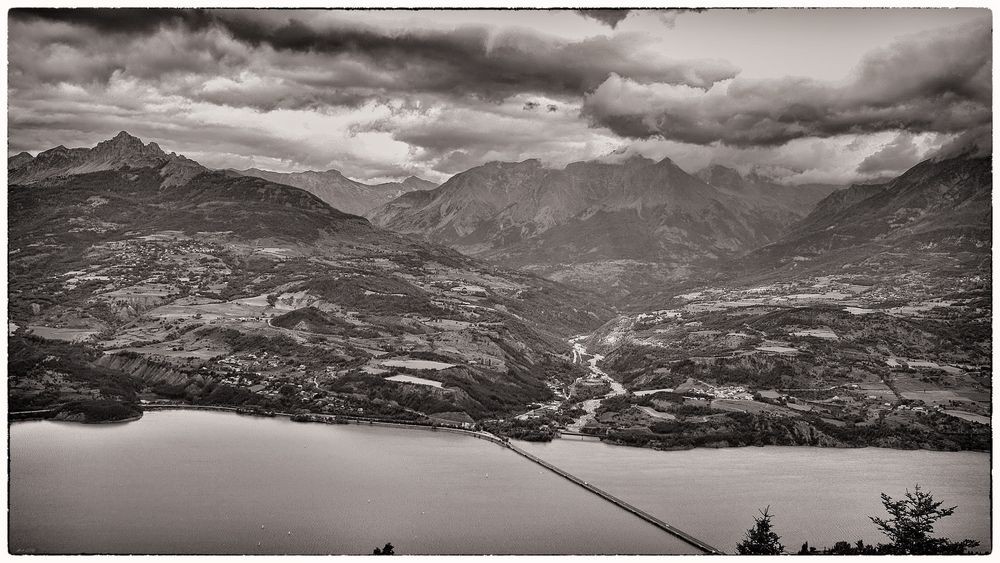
x,y
429,94
46,53
975,143
449,138
609,17
940,83
476,60
894,157
122,21
828,160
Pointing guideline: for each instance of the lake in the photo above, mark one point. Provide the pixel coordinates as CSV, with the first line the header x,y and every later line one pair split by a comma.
x,y
206,482
819,495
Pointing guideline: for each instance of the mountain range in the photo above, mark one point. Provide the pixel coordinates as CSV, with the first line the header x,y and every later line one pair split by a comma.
x,y
340,191
627,226
610,225
136,273
125,150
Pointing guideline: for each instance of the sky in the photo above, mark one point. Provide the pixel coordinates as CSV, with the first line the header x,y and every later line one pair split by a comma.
x,y
805,95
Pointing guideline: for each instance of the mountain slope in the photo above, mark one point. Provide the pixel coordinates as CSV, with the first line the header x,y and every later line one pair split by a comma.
x,y
178,284
938,207
616,226
341,192
838,202
19,160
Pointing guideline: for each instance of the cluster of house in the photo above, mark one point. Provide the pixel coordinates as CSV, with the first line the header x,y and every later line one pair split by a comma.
x,y
250,361
731,392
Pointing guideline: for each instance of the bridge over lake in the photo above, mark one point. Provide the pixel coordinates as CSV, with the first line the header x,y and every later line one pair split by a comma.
x,y
680,534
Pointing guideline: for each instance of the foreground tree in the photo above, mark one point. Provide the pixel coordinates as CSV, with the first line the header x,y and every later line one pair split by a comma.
x,y
761,539
387,549
911,523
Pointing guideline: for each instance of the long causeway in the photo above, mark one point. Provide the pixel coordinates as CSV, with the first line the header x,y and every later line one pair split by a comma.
x,y
682,535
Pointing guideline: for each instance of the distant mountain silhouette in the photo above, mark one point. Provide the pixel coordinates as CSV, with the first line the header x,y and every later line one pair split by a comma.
x,y
340,191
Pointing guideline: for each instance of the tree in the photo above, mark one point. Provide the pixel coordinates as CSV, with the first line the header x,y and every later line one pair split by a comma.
x,y
761,539
911,523
387,549
272,299
845,548
807,550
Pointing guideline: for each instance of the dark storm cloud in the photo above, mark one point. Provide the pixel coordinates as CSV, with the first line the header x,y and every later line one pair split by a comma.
x,y
611,17
608,17
468,60
938,84
475,59
124,21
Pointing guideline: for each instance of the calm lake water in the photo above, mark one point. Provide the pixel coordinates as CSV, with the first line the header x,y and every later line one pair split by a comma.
x,y
205,482
819,495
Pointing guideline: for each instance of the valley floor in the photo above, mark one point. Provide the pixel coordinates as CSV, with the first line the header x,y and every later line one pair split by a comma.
x,y
837,360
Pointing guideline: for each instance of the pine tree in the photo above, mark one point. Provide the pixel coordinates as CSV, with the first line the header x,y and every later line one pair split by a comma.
x,y
911,524
761,539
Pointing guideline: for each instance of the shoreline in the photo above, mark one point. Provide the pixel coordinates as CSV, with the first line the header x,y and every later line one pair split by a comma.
x,y
336,420
51,414
500,440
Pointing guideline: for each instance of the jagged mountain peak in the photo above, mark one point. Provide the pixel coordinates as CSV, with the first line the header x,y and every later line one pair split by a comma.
x,y
121,151
125,144
125,137
619,207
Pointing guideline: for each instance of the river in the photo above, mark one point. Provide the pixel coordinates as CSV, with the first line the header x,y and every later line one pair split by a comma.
x,y
590,406
219,483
